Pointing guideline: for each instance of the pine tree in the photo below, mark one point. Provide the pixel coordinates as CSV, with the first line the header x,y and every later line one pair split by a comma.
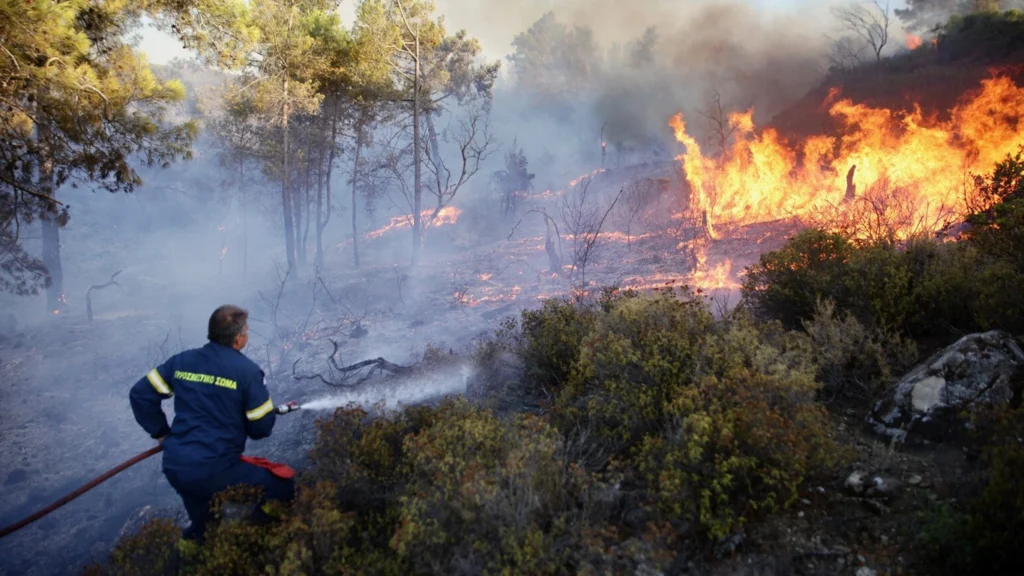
x,y
77,106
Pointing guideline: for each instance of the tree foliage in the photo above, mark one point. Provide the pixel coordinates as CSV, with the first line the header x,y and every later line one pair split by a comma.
x,y
79,105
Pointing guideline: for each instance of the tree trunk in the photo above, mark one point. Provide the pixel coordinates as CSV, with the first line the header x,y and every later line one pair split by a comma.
x,y
417,230
289,232
322,225
286,200
435,150
307,188
355,188
318,259
300,256
245,217
55,298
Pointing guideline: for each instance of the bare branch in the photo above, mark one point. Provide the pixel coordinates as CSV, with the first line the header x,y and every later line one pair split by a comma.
x,y
88,293
338,375
475,144
869,21
584,221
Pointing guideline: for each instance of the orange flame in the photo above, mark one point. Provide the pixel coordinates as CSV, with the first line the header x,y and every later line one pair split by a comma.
x,y
447,215
914,41
921,161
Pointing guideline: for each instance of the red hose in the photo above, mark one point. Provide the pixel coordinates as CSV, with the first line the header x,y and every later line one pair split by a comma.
x,y
89,486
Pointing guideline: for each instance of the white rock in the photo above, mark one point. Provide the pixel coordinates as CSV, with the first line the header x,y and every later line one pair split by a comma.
x,y
928,401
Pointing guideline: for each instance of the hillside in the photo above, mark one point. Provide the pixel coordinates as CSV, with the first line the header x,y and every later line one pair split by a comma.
x,y
933,76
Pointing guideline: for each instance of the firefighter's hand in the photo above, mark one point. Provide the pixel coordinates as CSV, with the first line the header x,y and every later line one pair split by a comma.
x,y
160,441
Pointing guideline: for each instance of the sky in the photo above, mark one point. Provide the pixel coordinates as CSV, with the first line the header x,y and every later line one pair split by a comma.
x,y
497,23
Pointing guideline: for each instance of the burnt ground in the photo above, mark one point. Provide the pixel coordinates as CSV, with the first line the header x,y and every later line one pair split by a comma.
x,y
64,381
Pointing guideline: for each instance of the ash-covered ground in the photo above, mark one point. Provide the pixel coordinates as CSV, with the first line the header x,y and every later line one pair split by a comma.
x,y
64,382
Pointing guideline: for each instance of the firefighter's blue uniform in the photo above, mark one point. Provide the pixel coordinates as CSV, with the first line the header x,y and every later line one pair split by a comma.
x,y
220,399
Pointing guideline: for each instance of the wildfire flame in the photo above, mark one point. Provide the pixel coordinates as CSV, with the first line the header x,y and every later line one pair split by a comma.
x,y
549,193
921,161
914,41
447,215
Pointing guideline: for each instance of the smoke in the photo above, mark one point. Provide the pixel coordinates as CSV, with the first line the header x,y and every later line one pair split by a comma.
x,y
416,389
750,54
922,15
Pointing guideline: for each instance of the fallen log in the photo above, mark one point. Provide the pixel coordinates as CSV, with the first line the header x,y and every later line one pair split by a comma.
x,y
378,365
88,293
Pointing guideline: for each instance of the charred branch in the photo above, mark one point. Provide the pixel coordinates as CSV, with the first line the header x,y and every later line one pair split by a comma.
x,y
721,129
851,187
88,293
475,144
339,376
584,220
869,22
554,258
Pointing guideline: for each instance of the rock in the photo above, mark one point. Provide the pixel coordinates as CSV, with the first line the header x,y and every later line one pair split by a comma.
x,y
925,404
855,483
914,480
865,571
727,546
882,488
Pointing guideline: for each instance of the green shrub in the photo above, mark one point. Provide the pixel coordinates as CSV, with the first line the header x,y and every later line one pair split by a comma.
x,y
717,420
547,342
786,284
983,36
742,438
852,360
922,289
640,354
150,552
984,535
488,496
996,526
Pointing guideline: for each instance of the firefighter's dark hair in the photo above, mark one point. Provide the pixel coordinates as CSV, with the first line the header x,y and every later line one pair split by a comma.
x,y
226,323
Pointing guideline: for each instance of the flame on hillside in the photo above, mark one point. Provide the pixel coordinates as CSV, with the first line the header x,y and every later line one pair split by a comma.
x,y
447,215
913,165
550,194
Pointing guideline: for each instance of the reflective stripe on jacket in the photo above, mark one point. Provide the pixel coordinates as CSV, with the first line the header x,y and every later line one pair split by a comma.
x,y
220,399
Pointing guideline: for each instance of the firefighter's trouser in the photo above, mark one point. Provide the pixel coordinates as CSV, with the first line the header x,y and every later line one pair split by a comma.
x,y
197,490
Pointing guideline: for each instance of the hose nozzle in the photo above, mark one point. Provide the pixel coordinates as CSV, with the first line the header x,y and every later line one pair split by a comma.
x,y
287,407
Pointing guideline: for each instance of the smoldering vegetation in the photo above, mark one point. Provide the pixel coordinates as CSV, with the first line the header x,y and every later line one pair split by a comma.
x,y
208,231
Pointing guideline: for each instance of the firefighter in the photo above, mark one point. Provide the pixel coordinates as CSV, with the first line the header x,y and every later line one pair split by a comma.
x,y
220,399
